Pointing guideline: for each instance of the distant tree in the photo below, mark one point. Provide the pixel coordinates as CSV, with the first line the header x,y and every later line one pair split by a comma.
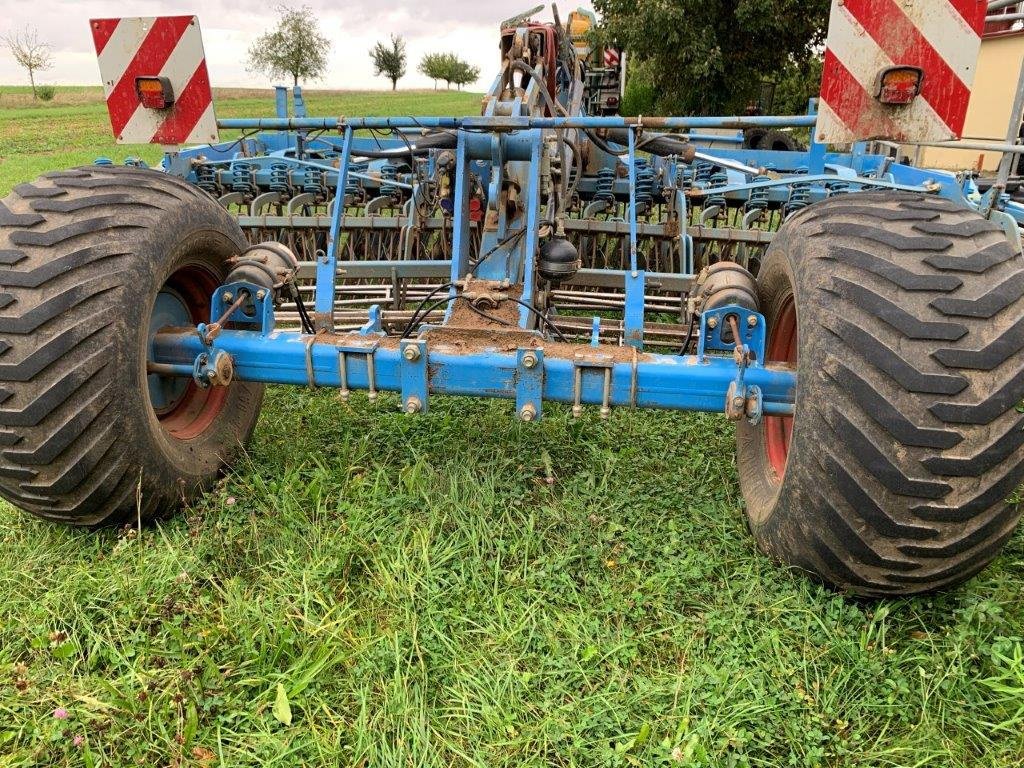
x,y
464,73
31,53
389,60
295,48
450,68
435,66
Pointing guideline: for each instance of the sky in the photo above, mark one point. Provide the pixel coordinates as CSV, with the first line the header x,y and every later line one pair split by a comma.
x,y
467,28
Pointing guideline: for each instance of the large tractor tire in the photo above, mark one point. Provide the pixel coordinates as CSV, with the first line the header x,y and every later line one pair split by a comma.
x,y
904,318
92,262
779,141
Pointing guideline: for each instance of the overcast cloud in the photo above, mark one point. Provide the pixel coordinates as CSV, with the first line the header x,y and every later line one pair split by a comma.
x,y
469,28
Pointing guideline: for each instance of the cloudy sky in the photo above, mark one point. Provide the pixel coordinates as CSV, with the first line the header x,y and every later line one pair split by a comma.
x,y
469,28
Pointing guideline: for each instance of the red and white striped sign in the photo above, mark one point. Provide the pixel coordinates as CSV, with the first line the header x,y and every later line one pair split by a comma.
x,y
865,37
156,46
611,58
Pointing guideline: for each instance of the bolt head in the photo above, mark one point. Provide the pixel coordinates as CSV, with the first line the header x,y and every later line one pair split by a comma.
x,y
529,360
228,296
411,353
712,322
752,320
528,412
413,405
261,294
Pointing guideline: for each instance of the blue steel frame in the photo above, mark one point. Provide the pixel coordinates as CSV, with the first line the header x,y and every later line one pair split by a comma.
x,y
536,370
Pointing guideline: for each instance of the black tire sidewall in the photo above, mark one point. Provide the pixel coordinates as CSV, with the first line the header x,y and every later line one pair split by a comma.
x,y
172,469
759,483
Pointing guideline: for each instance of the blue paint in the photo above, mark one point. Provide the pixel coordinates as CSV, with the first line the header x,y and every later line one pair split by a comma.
x,y
662,381
327,263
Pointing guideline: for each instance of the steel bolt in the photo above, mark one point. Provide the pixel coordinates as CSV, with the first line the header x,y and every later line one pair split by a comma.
x,y
413,405
529,360
261,294
228,296
712,322
752,320
411,353
528,412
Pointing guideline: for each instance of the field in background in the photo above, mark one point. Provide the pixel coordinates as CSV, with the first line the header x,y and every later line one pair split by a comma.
x,y
73,129
462,589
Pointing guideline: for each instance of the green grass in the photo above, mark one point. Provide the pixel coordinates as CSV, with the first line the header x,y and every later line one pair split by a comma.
x,y
461,589
73,129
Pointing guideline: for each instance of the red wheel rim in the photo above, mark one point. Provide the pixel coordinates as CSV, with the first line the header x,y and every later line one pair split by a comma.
x,y
782,348
194,410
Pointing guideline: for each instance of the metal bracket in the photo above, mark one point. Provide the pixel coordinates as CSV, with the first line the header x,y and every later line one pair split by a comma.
x,y
415,386
529,383
746,340
259,310
1009,226
367,353
714,323
633,321
604,364
372,326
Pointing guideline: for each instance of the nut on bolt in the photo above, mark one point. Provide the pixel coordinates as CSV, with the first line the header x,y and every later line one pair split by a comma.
x,y
752,320
530,360
413,405
528,412
411,353
712,322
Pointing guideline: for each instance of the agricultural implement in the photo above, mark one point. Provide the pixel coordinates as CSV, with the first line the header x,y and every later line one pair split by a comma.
x,y
860,320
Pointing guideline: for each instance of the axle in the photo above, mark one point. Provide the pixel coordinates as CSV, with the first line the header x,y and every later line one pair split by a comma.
x,y
461,364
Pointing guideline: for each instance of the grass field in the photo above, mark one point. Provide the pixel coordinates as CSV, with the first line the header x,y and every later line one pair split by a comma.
x,y
461,589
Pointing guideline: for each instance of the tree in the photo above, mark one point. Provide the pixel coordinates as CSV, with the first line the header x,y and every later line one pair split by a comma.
x,y
435,66
448,67
464,73
295,48
705,58
795,84
31,53
389,60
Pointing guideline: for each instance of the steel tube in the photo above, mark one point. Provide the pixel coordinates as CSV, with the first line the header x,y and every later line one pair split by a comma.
x,y
1013,129
983,146
514,123
662,381
1005,17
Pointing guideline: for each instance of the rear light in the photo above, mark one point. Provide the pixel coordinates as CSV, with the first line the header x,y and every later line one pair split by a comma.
x,y
154,92
899,85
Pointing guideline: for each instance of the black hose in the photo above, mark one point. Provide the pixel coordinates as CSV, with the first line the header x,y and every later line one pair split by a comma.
x,y
661,144
425,143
